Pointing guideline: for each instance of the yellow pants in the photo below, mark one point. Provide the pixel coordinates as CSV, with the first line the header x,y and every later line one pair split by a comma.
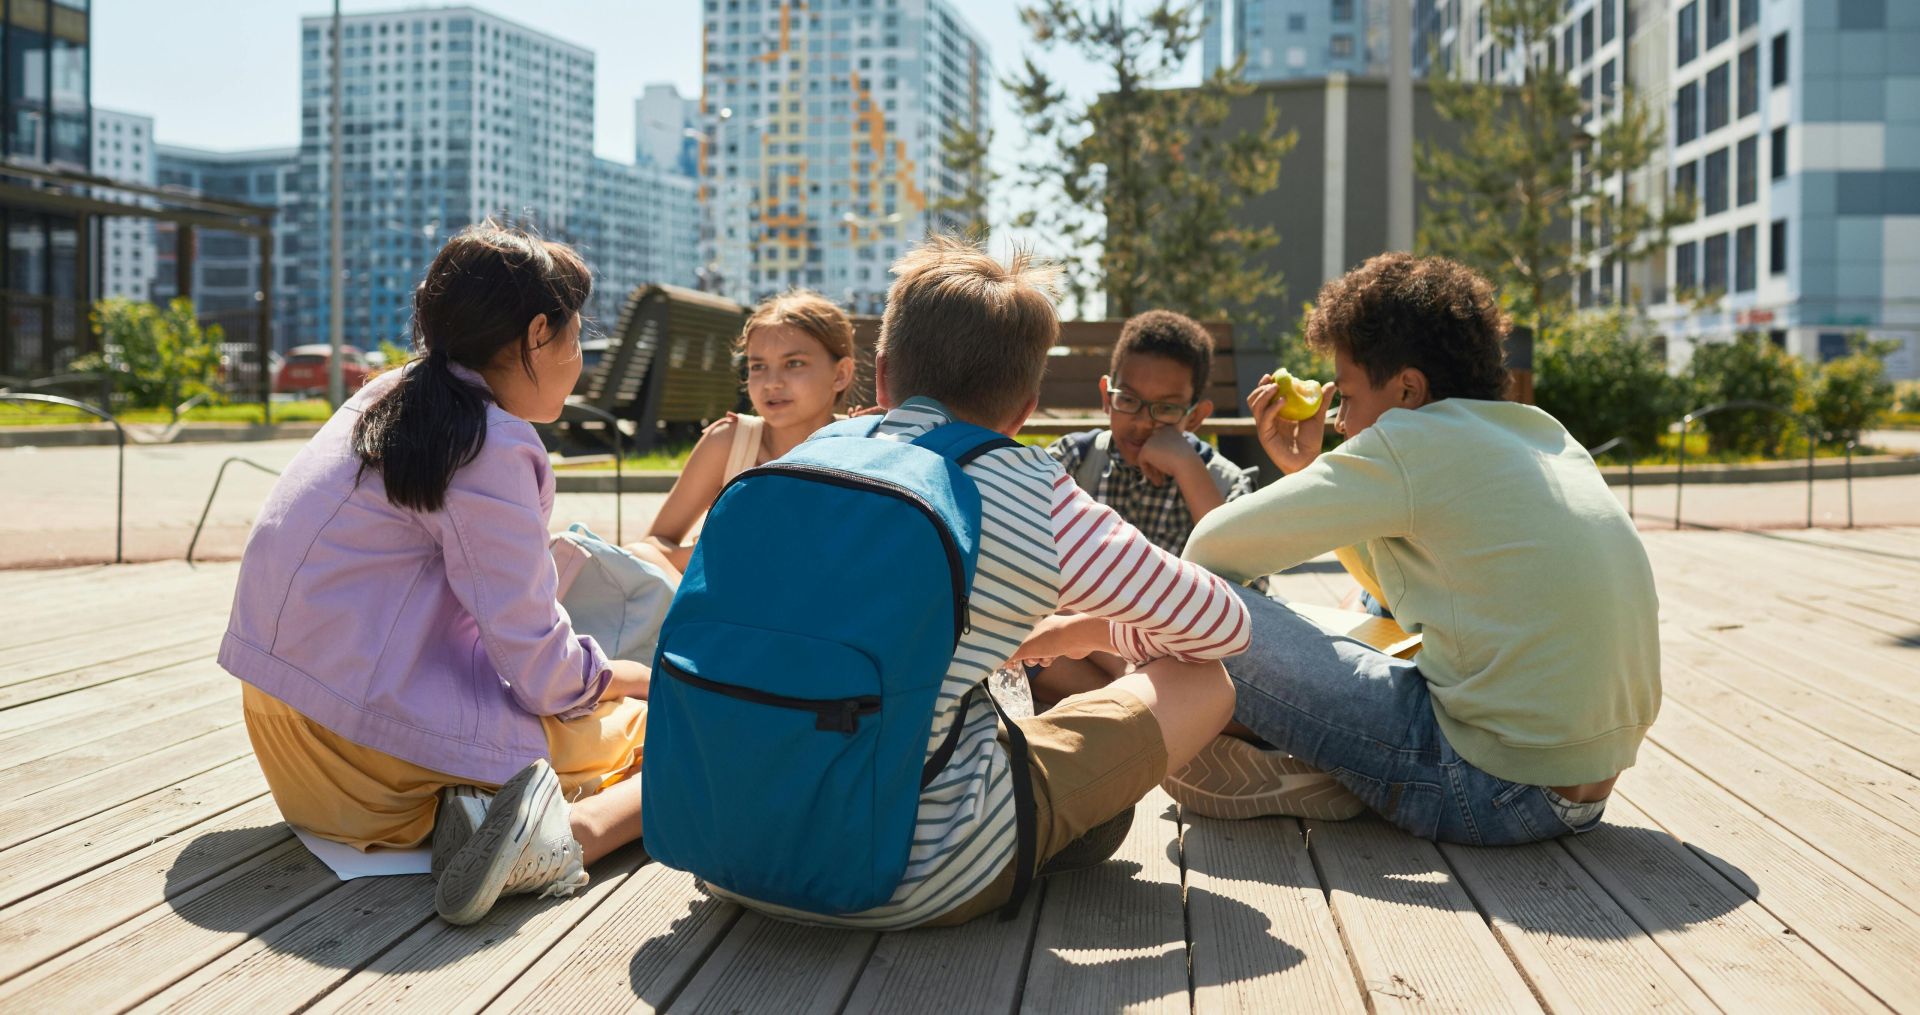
x,y
342,791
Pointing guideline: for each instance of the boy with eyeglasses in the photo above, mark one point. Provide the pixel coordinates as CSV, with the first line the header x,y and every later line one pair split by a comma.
x,y
1147,465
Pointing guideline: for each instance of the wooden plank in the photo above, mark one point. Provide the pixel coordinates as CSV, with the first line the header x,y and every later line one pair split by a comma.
x,y
104,699
1262,935
305,953
126,642
71,912
43,862
27,745
1114,937
136,959
1730,946
444,968
637,950
108,787
770,965
1765,581
57,611
1415,937
1791,737
83,762
197,650
1571,940
1868,844
1779,882
979,966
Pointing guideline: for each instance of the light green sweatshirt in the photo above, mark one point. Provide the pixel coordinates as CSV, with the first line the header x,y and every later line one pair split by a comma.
x,y
1493,535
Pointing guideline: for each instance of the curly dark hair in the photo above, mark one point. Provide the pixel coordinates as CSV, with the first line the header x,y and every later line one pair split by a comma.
x,y
1171,336
1398,311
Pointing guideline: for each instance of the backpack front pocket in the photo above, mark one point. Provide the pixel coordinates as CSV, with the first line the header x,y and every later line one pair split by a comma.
x,y
764,764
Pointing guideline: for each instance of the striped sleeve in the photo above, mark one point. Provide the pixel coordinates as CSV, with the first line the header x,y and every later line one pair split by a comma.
x,y
1159,604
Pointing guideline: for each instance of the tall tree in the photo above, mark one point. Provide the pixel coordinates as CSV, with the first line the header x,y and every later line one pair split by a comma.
x,y
965,153
1139,189
1527,196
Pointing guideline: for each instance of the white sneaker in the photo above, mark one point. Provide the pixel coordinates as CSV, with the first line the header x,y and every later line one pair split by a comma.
x,y
462,809
523,845
1231,778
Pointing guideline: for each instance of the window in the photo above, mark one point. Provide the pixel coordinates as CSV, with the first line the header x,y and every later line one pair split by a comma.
x,y
1780,59
1687,34
1748,101
1778,164
1296,22
1342,46
1608,81
1747,183
1343,10
1717,96
1607,21
1686,269
1719,28
1686,113
1777,254
1570,46
1745,257
1749,13
1713,273
1686,182
1716,184
1586,37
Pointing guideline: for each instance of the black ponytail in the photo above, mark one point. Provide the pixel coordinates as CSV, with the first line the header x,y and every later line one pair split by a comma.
x,y
483,292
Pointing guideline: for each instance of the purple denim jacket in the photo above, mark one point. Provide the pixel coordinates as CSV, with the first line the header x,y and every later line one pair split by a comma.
x,y
433,637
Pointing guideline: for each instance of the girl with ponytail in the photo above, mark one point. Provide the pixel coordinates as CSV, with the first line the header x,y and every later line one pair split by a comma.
x,y
408,672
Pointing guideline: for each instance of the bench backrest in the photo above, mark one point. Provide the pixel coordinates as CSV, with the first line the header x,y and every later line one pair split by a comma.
x,y
671,347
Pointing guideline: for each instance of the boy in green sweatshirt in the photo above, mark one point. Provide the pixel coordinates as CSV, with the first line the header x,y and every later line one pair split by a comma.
x,y
1489,531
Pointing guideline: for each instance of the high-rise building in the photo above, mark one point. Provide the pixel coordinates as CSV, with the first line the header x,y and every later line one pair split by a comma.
x,y
1285,39
46,275
123,151
824,127
1795,127
666,130
636,224
449,116
226,283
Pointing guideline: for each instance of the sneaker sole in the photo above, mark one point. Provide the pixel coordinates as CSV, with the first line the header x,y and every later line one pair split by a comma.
x,y
1241,781
451,830
471,882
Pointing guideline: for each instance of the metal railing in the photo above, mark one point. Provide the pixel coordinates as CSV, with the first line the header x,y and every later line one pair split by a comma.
x,y
1621,441
120,477
208,509
1806,427
594,412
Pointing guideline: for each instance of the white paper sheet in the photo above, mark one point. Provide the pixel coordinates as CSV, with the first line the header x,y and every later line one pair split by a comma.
x,y
349,863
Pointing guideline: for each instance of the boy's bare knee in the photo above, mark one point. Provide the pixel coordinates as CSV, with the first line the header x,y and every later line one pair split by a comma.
x,y
1191,701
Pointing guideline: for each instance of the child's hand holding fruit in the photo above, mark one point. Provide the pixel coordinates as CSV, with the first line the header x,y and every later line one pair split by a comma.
x,y
1290,418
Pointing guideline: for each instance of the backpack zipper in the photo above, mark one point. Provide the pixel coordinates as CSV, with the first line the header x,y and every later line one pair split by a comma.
x,y
836,715
956,570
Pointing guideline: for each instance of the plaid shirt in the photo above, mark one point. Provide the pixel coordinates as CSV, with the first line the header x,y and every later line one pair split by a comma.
x,y
1159,512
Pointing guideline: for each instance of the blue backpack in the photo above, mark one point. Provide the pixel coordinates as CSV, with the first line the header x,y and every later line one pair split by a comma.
x,y
798,669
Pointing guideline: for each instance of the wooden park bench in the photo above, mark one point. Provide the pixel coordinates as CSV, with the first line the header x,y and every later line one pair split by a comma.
x,y
668,363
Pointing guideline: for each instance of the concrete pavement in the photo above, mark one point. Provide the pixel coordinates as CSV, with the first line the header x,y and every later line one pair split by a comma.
x,y
56,504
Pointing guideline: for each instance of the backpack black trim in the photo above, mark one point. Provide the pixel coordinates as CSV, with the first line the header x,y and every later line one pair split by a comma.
x,y
1024,816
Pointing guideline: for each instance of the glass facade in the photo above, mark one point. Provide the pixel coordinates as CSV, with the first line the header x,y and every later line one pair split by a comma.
x,y
44,96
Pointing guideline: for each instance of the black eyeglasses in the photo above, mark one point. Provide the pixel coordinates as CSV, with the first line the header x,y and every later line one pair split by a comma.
x,y
1170,413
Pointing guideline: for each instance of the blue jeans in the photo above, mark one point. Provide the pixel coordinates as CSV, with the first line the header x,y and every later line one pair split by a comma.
x,y
1366,718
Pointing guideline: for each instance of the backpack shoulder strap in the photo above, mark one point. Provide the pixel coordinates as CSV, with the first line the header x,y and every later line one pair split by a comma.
x,y
963,442
1093,463
858,426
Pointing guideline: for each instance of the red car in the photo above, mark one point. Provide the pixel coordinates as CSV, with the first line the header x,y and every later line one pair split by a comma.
x,y
305,370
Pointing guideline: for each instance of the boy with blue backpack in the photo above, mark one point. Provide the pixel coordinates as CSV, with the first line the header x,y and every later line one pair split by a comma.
x,y
822,744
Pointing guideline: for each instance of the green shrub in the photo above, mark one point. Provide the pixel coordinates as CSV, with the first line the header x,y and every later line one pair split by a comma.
x,y
158,357
1906,396
1849,395
1602,378
1747,369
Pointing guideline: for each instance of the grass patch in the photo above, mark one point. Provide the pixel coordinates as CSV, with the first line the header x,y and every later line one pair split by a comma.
x,y
1698,453
310,411
1901,421
658,460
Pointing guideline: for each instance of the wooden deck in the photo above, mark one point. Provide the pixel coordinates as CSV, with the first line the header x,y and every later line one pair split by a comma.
x,y
1765,853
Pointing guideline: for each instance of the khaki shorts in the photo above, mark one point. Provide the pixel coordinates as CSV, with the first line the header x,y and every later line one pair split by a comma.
x,y
1092,756
342,791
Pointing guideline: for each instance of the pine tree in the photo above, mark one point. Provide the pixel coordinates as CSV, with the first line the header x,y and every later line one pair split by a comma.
x,y
1138,190
1526,196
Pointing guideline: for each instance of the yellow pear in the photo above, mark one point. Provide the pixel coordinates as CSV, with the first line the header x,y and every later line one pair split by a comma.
x,y
1299,399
